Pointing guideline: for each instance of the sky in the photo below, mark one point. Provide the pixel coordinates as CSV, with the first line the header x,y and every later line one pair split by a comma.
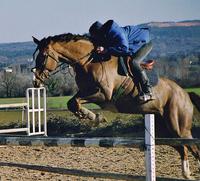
x,y
22,19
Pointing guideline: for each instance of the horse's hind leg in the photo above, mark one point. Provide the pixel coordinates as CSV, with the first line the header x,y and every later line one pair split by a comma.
x,y
195,152
185,163
179,124
183,151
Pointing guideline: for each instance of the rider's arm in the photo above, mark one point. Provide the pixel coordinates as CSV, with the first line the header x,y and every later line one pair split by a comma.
x,y
120,50
116,40
116,50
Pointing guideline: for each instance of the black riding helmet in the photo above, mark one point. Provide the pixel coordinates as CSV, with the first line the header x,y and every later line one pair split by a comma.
x,y
94,28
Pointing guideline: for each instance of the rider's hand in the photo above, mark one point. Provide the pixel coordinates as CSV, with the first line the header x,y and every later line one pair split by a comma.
x,y
100,50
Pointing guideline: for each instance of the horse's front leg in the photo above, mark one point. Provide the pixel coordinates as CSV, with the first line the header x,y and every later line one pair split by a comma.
x,y
75,106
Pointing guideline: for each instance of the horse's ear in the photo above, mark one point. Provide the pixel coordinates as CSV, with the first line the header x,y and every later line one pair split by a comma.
x,y
36,40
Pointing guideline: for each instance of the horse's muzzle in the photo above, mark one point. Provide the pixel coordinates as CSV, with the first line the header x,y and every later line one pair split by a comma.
x,y
37,82
39,77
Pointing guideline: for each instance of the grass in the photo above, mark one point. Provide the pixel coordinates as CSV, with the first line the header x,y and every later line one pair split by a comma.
x,y
58,102
64,123
52,102
12,100
196,90
61,102
10,116
16,115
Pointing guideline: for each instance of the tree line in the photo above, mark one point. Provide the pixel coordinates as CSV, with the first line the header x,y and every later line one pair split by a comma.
x,y
14,84
184,70
175,49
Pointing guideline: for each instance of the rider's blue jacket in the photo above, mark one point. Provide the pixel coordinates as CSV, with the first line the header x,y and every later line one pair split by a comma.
x,y
122,41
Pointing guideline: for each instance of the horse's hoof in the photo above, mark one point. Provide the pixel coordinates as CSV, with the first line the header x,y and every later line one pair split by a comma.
x,y
188,176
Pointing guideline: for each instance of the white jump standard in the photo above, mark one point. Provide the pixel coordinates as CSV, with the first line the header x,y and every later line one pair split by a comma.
x,y
35,109
36,100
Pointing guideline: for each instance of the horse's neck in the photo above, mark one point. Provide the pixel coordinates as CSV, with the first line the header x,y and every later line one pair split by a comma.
x,y
77,51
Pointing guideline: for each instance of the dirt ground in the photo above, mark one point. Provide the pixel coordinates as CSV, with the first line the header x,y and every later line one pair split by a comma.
x,y
72,163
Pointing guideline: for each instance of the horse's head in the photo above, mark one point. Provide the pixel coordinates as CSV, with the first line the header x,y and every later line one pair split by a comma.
x,y
67,48
46,60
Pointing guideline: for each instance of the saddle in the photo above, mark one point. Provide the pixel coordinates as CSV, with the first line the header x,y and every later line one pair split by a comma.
x,y
148,65
125,63
125,69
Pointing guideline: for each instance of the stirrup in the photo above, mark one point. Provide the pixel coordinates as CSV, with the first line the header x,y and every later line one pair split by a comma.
x,y
144,97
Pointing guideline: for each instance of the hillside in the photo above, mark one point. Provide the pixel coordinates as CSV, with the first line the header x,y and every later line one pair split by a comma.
x,y
174,24
15,53
176,40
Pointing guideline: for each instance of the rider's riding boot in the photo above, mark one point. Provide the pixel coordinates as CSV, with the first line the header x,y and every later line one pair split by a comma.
x,y
146,93
142,83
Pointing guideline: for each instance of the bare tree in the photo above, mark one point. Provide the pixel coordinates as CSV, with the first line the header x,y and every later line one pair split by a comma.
x,y
8,83
22,83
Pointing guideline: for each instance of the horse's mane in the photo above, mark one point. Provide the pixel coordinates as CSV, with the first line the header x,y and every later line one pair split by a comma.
x,y
67,37
64,38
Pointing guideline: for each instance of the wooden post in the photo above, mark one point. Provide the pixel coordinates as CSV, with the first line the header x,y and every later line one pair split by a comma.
x,y
150,147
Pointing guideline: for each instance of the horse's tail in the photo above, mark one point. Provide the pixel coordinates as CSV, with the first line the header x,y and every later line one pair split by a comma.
x,y
195,98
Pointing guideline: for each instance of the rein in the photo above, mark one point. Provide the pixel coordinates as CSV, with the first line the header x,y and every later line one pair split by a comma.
x,y
69,61
61,68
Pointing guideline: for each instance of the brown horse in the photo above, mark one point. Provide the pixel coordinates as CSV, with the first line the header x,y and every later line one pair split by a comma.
x,y
99,82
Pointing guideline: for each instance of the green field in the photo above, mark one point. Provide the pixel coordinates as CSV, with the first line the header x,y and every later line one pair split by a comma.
x,y
52,102
61,102
196,90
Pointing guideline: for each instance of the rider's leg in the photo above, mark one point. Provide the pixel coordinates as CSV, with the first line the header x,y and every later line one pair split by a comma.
x,y
141,77
144,87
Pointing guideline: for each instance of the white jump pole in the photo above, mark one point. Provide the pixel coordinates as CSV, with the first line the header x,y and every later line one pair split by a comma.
x,y
150,147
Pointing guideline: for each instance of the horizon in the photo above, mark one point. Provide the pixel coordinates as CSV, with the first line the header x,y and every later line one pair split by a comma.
x,y
22,19
142,23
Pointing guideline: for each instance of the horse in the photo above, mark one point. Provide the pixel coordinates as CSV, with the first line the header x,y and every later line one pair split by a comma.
x,y
101,83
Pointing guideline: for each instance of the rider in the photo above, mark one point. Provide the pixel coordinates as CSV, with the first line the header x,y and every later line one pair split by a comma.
x,y
132,41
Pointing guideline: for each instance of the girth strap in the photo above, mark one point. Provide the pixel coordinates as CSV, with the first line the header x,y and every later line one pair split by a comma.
x,y
122,90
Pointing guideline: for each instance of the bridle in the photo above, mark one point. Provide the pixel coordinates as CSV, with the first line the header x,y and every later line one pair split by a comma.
x,y
57,58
